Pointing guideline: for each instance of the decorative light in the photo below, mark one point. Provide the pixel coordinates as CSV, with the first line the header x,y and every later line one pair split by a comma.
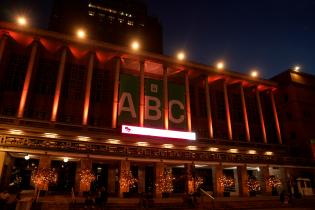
x,y
252,152
165,182
81,33
135,45
168,146
213,149
21,20
181,56
27,157
233,150
86,177
296,68
191,147
65,159
43,176
273,181
51,135
142,144
254,73
15,132
220,65
127,180
225,181
253,184
113,141
83,138
268,153
158,132
258,169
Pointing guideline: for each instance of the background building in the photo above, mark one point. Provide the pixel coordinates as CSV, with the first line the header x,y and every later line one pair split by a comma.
x,y
113,21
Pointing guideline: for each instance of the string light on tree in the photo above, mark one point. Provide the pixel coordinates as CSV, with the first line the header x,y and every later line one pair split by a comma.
x,y
165,182
127,180
226,181
253,184
86,176
43,176
273,182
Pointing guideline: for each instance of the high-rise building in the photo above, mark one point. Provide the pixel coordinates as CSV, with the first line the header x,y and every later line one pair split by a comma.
x,y
114,21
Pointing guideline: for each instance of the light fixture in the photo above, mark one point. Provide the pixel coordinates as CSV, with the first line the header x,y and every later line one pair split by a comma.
x,y
258,169
113,141
297,68
252,152
15,132
81,33
191,147
65,159
268,153
254,73
142,143
213,149
220,65
83,138
50,135
181,56
27,157
21,20
135,45
233,150
168,146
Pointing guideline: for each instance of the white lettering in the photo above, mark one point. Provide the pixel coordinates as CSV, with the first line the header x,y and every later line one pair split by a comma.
x,y
155,108
130,108
171,117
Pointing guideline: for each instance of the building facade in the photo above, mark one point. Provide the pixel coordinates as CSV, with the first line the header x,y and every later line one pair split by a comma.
x,y
72,104
115,21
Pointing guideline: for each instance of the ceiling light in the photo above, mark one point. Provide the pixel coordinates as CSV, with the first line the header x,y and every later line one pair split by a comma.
x,y
83,138
268,153
252,152
50,135
168,146
27,157
142,144
191,147
65,159
233,150
213,149
15,132
113,141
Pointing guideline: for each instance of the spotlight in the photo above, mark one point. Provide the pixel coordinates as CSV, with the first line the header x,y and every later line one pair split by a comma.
x,y
254,73
220,65
135,45
27,157
21,20
81,33
181,56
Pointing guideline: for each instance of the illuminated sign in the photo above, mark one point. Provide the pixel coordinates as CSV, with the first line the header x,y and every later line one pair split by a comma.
x,y
158,132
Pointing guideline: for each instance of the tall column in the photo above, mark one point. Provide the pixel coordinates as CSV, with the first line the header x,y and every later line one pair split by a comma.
x,y
190,184
197,101
227,109
116,91
159,169
141,111
218,173
245,113
275,114
27,80
44,162
111,179
141,179
58,85
165,97
88,90
3,43
209,114
124,167
261,116
242,180
2,162
187,101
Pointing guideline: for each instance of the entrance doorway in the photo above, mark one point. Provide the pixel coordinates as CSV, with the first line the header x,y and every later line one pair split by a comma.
x,y
66,172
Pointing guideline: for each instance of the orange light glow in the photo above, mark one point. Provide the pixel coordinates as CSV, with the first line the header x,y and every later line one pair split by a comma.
x,y
181,56
81,33
21,20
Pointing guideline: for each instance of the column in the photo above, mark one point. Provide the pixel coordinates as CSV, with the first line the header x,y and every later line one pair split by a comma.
x,y
85,163
58,85
88,90
245,113
190,184
197,101
111,179
242,180
124,167
141,111
116,91
187,101
159,169
2,162
141,179
216,174
227,109
209,114
27,80
263,175
3,43
165,97
261,116
275,114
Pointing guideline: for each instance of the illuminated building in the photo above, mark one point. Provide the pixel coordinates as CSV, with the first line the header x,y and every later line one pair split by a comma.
x,y
78,105
112,21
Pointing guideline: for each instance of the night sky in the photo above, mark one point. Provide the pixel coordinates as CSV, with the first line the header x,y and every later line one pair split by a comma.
x,y
269,35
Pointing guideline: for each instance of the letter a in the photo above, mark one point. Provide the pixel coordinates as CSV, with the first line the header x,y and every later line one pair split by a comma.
x,y
129,108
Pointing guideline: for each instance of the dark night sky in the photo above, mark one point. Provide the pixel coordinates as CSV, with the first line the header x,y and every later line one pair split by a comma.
x,y
269,35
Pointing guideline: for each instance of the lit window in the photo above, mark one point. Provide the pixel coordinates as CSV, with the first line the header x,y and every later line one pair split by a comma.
x,y
130,23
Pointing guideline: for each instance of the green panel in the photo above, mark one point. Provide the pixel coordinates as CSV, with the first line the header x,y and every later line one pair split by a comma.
x,y
129,86
153,91
177,92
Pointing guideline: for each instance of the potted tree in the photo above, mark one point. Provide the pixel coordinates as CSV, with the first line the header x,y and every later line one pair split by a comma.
x,y
226,183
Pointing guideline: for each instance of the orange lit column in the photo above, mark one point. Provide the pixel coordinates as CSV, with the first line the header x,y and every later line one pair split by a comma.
x,y
141,110
261,116
245,113
58,85
2,46
274,109
27,80
88,90
115,95
165,97
208,103
187,102
227,108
